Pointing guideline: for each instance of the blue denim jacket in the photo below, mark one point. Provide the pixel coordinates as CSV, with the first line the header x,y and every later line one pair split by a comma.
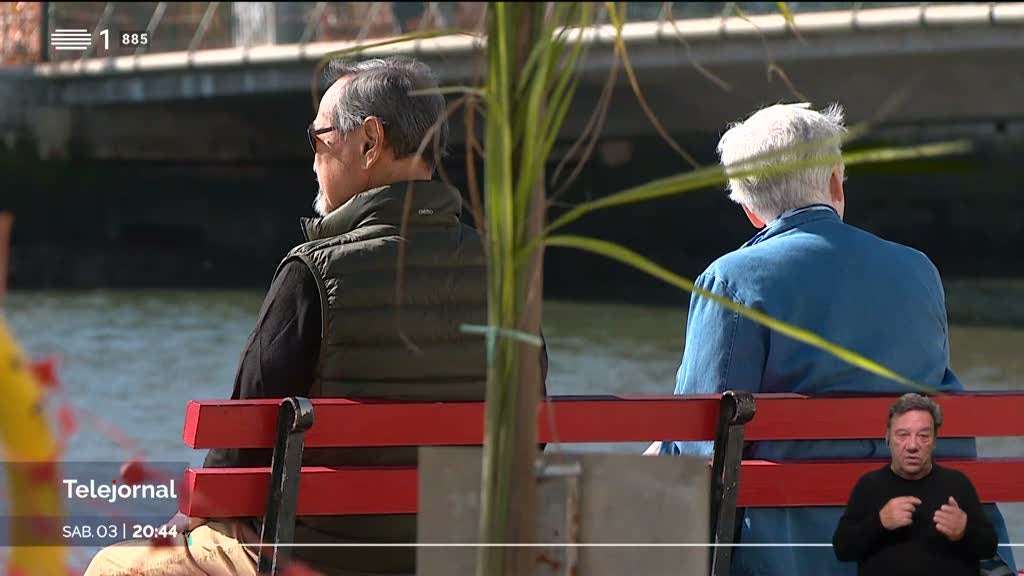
x,y
878,298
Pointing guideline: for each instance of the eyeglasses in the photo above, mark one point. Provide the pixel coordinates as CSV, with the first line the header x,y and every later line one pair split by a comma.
x,y
312,134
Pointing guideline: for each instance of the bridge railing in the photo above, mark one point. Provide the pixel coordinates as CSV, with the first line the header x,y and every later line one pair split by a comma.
x,y
190,26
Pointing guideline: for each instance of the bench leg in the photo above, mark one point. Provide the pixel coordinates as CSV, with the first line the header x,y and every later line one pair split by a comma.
x,y
736,410
294,417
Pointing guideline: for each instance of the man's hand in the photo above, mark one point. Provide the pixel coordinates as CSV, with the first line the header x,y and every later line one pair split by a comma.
x,y
898,512
183,524
951,520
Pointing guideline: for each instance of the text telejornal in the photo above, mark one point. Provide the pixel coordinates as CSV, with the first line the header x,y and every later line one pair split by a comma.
x,y
113,492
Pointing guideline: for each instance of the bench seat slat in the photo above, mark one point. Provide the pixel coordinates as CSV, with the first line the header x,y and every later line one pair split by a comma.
x,y
233,492
347,423
829,483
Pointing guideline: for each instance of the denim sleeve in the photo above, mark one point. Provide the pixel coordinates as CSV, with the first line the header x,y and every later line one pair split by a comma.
x,y
723,351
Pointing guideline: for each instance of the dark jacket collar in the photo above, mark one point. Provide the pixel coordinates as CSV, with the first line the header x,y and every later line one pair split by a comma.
x,y
793,218
433,203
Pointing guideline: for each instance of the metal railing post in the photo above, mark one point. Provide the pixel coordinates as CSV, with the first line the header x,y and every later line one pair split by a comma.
x,y
371,14
44,31
314,19
727,12
154,21
204,25
108,11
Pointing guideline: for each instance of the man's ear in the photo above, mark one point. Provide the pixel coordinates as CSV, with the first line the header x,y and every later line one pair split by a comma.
x,y
373,144
754,218
836,192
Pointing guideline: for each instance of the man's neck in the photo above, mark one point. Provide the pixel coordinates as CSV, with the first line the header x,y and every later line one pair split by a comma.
x,y
817,206
410,169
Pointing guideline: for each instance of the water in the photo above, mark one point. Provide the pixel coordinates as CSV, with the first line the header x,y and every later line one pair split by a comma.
x,y
135,358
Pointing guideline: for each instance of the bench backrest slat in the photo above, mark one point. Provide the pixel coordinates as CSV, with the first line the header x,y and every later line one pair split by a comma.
x,y
977,414
829,483
345,423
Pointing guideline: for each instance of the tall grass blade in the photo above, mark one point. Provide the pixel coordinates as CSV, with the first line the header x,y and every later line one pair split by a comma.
x,y
717,175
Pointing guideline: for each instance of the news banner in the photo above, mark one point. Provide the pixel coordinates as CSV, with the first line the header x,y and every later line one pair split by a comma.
x,y
101,503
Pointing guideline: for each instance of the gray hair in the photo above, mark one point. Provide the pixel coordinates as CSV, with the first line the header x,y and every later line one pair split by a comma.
x,y
771,131
912,401
381,87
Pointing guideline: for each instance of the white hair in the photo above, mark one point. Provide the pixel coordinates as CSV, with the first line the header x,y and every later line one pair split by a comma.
x,y
771,131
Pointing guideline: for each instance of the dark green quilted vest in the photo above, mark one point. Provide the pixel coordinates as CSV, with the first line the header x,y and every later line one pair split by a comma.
x,y
393,303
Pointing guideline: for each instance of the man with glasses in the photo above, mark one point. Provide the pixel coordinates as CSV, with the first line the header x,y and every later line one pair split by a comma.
x,y
370,305
914,516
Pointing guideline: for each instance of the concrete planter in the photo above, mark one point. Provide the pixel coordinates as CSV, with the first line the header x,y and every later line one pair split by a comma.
x,y
603,499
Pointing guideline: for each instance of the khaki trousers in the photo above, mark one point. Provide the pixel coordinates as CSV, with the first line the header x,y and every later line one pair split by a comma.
x,y
215,548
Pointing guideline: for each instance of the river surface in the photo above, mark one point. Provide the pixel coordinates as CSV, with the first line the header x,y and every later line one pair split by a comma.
x,y
132,360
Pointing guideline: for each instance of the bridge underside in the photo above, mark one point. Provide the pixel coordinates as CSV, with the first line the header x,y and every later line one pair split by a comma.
x,y
894,77
196,176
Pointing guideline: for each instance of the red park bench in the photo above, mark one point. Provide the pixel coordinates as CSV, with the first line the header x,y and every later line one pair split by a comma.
x,y
281,492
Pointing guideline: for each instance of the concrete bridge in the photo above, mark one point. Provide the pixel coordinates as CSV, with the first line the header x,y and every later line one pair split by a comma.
x,y
949,65
188,165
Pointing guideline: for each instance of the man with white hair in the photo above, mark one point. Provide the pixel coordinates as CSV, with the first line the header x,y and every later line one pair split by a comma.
x,y
808,268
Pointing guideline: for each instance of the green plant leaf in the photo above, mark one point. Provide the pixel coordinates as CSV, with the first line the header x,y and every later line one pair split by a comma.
x,y
443,90
360,48
494,331
784,9
565,89
618,21
712,175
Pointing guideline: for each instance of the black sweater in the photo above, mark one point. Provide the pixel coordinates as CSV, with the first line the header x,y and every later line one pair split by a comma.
x,y
918,548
